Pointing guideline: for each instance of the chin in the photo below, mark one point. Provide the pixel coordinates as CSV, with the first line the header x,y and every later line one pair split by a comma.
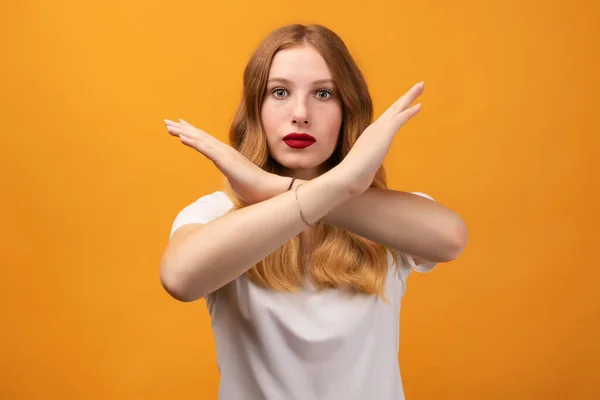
x,y
309,159
300,161
308,169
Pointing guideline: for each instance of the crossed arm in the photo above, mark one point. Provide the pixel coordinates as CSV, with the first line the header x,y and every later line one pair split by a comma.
x,y
407,222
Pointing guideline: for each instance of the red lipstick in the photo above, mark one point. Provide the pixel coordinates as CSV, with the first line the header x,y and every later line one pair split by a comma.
x,y
299,140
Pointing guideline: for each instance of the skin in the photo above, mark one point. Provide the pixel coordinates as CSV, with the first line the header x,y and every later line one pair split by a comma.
x,y
301,97
198,258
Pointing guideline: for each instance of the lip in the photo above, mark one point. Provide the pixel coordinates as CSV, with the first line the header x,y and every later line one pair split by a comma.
x,y
298,140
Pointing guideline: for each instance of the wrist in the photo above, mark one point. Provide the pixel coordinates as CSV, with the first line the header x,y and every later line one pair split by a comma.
x,y
296,183
280,184
338,180
332,180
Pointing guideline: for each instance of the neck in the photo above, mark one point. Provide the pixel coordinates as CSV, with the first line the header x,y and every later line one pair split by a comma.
x,y
305,174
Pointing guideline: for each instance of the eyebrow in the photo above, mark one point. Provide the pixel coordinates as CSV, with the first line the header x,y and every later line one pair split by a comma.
x,y
287,81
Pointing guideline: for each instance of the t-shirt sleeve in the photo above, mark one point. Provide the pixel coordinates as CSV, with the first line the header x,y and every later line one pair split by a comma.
x,y
423,266
203,210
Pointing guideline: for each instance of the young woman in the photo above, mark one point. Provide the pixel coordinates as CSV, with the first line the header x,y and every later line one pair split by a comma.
x,y
303,259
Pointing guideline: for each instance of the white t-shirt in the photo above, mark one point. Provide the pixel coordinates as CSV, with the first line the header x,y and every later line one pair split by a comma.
x,y
307,345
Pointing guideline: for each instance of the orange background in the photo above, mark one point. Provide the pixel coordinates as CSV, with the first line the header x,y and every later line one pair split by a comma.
x,y
91,182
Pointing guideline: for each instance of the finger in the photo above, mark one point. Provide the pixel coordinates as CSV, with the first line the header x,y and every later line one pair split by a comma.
x,y
409,97
195,138
407,114
184,126
179,129
201,138
192,142
173,125
177,125
206,149
185,140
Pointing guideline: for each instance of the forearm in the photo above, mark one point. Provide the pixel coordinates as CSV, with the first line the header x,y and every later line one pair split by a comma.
x,y
402,221
209,256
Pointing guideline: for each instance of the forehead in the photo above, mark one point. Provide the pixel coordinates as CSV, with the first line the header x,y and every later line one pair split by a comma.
x,y
299,63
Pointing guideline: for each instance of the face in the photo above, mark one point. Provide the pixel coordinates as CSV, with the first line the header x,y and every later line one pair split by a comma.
x,y
301,113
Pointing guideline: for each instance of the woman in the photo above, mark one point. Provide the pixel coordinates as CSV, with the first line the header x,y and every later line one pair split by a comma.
x,y
303,262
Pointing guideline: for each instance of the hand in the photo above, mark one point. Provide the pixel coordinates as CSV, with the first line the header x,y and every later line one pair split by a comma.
x,y
358,168
249,181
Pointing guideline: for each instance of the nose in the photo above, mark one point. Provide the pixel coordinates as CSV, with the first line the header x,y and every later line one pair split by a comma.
x,y
300,113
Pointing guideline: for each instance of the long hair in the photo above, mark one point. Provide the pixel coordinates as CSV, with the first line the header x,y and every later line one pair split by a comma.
x,y
339,259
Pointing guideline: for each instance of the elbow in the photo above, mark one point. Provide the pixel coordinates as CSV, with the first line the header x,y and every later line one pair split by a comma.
x,y
175,283
456,240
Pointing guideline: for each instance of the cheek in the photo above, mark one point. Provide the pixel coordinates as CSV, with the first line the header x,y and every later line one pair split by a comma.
x,y
332,122
270,120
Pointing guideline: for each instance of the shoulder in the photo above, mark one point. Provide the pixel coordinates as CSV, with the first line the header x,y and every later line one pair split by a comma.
x,y
203,210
